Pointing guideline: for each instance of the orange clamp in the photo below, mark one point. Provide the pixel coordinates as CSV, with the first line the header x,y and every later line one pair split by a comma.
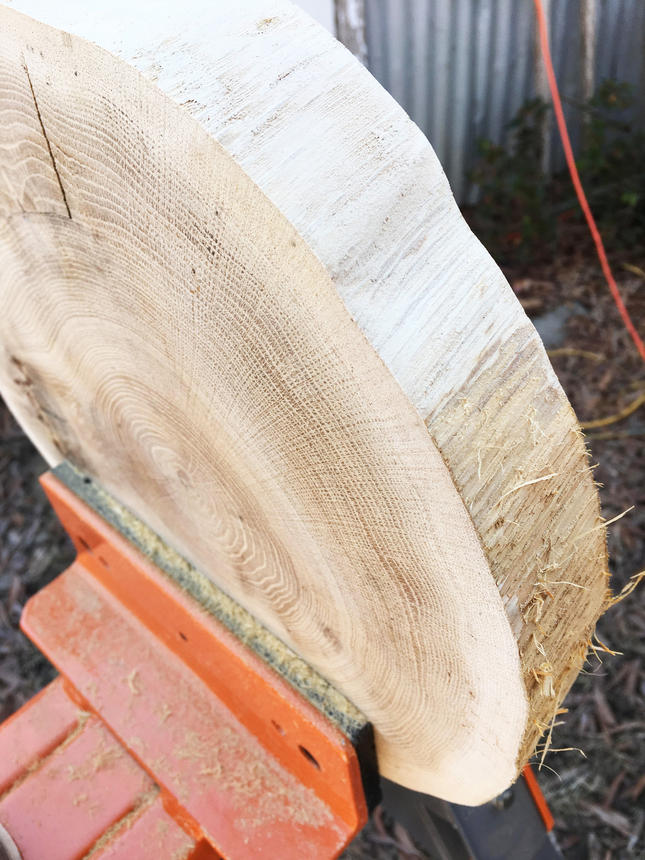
x,y
167,736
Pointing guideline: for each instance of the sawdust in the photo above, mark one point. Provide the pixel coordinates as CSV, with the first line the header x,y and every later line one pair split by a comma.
x,y
40,761
253,780
183,851
132,682
123,824
103,758
165,712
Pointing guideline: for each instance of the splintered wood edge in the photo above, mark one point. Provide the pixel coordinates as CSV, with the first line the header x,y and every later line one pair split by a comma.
x,y
290,104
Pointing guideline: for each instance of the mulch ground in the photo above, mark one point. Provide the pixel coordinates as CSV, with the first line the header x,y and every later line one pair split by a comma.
x,y
597,794
598,798
33,550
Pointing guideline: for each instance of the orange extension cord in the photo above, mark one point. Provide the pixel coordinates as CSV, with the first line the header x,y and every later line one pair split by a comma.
x,y
573,170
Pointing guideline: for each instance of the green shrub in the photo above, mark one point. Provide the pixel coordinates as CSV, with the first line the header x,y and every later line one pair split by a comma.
x,y
522,213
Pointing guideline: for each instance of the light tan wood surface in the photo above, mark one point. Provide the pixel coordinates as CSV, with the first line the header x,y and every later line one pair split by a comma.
x,y
236,290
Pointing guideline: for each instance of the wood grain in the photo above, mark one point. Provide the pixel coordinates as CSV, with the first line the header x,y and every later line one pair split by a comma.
x,y
241,295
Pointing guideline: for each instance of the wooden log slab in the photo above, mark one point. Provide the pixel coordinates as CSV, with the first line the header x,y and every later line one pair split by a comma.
x,y
236,290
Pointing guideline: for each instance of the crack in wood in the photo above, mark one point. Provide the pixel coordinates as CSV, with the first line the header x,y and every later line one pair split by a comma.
x,y
49,146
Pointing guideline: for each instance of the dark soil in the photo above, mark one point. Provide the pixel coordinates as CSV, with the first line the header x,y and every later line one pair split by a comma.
x,y
598,800
33,550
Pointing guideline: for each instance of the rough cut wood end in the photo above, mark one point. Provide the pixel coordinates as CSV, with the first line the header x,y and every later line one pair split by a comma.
x,y
236,289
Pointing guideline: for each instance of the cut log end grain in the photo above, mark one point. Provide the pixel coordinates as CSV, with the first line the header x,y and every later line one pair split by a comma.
x,y
237,291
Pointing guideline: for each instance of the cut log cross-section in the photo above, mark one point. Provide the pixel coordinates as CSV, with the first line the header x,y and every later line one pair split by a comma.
x,y
236,290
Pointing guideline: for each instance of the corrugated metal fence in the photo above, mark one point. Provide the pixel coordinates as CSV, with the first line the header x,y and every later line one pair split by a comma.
x,y
462,68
